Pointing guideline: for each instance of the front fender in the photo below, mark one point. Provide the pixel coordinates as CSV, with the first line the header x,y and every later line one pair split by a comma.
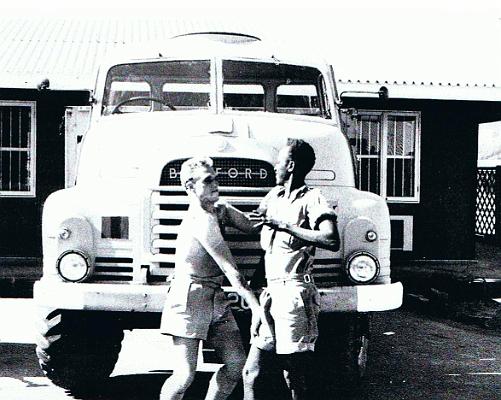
x,y
64,229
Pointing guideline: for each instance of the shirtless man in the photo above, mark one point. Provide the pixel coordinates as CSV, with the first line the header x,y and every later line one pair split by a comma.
x,y
196,307
296,220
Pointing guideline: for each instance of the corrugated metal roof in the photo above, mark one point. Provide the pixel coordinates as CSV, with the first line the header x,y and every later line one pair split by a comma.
x,y
425,90
68,51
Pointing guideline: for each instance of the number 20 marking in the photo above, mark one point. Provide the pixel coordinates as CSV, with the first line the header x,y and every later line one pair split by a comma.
x,y
235,299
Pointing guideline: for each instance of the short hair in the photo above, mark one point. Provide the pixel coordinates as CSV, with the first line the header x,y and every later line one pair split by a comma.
x,y
303,156
190,166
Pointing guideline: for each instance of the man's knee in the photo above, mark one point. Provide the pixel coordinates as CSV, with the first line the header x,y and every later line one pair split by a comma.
x,y
251,371
183,378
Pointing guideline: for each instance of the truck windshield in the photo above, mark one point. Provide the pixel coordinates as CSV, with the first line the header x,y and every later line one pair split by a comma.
x,y
157,86
273,87
186,85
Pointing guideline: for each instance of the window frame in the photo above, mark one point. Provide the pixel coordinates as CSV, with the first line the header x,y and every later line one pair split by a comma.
x,y
324,97
383,157
31,150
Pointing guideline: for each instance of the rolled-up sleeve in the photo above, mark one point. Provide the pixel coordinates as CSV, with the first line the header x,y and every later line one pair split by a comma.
x,y
318,209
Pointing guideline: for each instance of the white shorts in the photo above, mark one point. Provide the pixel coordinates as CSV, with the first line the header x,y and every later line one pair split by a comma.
x,y
196,308
291,308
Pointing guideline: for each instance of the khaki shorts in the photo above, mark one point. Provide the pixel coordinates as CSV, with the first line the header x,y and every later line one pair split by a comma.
x,y
196,308
291,308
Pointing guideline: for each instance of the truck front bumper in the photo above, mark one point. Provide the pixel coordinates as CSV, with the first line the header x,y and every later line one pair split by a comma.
x,y
144,298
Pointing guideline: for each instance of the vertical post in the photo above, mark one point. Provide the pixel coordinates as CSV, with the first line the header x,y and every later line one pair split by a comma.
x,y
497,201
76,121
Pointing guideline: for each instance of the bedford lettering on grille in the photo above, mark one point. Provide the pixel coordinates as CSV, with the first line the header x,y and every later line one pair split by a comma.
x,y
230,172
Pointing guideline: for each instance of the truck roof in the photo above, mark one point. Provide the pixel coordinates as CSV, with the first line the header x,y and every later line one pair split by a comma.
x,y
205,45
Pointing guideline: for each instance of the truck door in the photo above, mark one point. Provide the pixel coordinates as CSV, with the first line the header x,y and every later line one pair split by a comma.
x,y
77,119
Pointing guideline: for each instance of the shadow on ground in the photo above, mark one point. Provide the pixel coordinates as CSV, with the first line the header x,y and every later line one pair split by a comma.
x,y
147,386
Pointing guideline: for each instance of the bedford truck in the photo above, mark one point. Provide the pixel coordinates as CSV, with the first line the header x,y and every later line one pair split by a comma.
x,y
109,240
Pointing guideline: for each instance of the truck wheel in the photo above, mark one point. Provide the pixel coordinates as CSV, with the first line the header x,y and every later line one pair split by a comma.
x,y
356,340
341,350
77,351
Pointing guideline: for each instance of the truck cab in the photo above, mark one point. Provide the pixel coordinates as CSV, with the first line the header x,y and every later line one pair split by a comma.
x,y
109,240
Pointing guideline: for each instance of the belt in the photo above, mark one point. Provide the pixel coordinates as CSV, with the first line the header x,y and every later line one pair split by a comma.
x,y
306,278
208,281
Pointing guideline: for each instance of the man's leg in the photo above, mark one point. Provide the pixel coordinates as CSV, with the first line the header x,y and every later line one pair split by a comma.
x,y
259,367
184,358
297,374
229,348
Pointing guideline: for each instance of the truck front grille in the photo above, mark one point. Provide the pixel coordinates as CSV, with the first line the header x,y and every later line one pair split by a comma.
x,y
243,183
169,207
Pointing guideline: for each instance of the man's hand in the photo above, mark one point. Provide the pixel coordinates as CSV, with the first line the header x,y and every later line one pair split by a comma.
x,y
261,219
257,319
275,224
257,218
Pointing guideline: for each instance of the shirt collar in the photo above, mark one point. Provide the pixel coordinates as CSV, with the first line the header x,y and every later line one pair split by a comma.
x,y
295,194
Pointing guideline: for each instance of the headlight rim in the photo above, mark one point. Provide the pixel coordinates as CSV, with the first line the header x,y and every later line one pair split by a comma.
x,y
87,262
357,254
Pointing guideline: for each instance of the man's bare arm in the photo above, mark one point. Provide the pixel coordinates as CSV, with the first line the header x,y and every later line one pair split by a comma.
x,y
246,223
212,240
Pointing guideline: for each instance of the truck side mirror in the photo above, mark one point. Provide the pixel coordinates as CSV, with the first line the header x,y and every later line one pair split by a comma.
x,y
382,94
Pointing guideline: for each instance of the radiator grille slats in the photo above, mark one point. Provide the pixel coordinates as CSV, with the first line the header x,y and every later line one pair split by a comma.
x,y
112,268
243,183
245,248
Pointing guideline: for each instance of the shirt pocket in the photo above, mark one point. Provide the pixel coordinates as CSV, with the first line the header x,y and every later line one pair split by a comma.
x,y
266,237
296,243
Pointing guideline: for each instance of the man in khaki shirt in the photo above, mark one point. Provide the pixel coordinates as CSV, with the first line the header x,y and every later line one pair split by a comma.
x,y
296,219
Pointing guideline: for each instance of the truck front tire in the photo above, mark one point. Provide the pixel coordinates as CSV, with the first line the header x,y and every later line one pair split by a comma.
x,y
77,351
341,349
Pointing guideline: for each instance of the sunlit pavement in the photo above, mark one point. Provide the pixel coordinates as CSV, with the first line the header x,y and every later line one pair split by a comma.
x,y
141,353
413,356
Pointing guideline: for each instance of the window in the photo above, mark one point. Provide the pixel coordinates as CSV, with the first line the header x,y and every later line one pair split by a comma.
x,y
386,147
274,87
187,96
298,99
17,148
183,84
244,97
401,232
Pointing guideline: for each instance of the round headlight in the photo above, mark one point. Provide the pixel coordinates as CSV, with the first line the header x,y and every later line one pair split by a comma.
x,y
73,266
362,268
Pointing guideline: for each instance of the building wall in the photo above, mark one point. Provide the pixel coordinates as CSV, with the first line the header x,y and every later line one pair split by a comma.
x,y
444,218
20,218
